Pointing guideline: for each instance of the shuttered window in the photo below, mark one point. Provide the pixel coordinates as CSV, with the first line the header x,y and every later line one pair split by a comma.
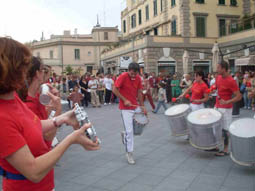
x,y
200,26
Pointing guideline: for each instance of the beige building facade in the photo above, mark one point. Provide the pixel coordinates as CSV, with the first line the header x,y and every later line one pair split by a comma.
x,y
81,52
158,32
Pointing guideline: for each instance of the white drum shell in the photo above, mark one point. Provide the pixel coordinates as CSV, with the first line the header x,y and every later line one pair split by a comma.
x,y
243,148
178,123
205,136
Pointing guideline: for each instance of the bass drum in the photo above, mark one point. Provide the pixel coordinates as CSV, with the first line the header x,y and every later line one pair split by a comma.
x,y
176,117
242,136
205,128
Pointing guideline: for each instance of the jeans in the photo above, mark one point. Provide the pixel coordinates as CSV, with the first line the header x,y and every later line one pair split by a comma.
x,y
159,105
247,101
108,95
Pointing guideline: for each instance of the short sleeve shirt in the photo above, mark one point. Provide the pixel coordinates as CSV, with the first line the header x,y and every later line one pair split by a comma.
x,y
198,91
19,126
226,87
129,89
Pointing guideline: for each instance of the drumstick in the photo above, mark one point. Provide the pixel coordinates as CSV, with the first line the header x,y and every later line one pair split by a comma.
x,y
137,105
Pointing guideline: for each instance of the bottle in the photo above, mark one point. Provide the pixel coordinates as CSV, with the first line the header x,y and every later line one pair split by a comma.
x,y
44,97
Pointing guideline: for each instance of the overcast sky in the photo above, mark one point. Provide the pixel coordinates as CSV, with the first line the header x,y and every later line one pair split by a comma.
x,y
25,20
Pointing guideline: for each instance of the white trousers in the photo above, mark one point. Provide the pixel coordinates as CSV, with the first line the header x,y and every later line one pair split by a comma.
x,y
227,117
127,117
195,107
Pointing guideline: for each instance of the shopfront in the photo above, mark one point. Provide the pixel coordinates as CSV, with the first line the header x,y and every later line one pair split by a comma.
x,y
245,64
202,65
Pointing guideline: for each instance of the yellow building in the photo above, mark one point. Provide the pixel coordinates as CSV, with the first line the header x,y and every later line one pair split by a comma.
x,y
157,33
81,52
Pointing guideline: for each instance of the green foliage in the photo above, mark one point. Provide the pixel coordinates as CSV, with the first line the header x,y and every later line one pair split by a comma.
x,y
69,70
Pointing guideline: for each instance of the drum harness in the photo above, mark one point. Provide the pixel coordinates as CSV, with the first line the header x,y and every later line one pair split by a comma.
x,y
11,176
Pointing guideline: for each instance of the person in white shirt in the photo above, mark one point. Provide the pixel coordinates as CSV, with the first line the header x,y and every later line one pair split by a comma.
x,y
108,82
93,85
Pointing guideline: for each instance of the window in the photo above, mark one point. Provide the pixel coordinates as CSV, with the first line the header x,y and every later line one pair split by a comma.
x,y
140,16
155,8
156,31
200,1
161,5
222,27
221,2
105,35
233,26
133,21
51,54
89,53
77,54
200,26
147,32
233,2
147,12
173,3
173,27
89,69
124,26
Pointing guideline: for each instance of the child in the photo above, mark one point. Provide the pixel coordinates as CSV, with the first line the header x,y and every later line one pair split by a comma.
x,y
161,97
75,96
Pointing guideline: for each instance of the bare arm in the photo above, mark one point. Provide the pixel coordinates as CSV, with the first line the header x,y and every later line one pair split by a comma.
x,y
205,99
185,92
118,94
35,169
237,97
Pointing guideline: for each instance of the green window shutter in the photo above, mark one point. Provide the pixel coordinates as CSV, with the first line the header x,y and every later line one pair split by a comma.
x,y
200,26
221,2
173,28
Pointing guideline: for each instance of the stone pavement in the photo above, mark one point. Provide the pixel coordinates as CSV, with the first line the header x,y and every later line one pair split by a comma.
x,y
163,162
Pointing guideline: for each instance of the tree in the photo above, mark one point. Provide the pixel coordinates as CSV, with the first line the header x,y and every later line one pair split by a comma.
x,y
69,70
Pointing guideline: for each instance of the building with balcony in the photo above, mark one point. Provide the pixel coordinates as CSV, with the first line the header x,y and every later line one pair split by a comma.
x,y
81,52
156,34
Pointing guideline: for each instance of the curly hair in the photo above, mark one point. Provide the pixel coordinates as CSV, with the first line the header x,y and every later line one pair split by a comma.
x,y
14,61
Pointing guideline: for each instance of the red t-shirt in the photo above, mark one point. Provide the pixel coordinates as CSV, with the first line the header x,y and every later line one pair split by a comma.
x,y
129,89
34,104
226,87
198,91
19,126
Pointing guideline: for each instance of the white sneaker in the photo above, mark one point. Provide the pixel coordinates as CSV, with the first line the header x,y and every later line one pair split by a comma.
x,y
123,137
130,158
105,103
110,103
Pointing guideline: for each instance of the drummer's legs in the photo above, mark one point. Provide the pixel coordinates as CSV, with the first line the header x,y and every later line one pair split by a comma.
x,y
227,119
127,116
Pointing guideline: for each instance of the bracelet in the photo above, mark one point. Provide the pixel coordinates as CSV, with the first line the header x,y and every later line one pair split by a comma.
x,y
55,122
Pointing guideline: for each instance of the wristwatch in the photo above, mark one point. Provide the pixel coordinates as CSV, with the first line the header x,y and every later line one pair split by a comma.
x,y
55,122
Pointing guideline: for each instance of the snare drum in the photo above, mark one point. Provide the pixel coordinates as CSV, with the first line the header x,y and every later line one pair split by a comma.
x,y
139,122
242,136
205,128
176,116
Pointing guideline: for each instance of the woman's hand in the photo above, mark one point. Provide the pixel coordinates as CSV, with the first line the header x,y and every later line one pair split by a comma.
x,y
53,90
79,137
55,103
70,119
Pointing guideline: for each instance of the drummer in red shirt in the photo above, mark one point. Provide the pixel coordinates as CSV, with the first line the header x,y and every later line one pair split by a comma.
x,y
199,92
26,162
228,93
128,87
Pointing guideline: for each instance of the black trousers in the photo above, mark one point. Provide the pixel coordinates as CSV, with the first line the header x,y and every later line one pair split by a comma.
x,y
108,95
86,99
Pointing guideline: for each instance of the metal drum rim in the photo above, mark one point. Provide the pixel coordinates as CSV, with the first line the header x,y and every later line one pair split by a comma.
x,y
240,162
179,113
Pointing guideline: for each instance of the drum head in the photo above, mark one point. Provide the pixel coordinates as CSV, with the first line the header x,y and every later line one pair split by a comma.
x,y
204,116
141,118
177,110
243,128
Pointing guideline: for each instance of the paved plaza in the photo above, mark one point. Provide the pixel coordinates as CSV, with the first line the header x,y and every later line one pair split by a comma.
x,y
163,162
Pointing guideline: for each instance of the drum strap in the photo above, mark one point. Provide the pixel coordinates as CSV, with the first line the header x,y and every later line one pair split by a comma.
x,y
9,175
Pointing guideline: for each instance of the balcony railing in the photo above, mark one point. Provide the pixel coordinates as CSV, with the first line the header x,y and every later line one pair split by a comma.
x,y
246,23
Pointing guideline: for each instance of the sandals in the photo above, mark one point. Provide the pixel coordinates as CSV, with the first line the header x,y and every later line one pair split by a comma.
x,y
213,150
221,154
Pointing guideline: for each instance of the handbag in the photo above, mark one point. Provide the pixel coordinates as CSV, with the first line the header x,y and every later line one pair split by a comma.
x,y
242,88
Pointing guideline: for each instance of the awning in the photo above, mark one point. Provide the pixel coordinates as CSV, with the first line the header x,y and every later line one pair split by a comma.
x,y
248,61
